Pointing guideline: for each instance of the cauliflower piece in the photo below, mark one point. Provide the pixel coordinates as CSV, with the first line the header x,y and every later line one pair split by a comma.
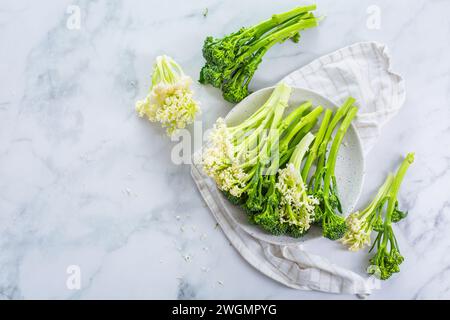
x,y
170,100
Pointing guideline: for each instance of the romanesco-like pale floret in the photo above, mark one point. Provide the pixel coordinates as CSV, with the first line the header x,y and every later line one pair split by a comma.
x,y
170,100
360,224
358,232
296,205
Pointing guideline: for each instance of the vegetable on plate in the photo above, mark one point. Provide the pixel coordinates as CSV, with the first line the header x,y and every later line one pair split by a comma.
x,y
260,165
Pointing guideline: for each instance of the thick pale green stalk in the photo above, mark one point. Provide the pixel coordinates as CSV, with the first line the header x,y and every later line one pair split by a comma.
x,y
298,112
280,18
382,192
331,163
278,103
315,147
300,150
278,36
303,131
262,112
303,121
340,113
409,159
285,127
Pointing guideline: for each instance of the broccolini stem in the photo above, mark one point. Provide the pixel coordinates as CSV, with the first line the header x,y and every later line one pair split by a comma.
x,y
312,116
340,113
267,107
300,150
278,36
331,163
382,192
280,18
278,102
409,159
298,112
315,147
307,128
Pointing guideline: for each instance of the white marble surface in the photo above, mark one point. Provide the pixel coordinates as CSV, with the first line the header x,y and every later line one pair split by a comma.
x,y
84,181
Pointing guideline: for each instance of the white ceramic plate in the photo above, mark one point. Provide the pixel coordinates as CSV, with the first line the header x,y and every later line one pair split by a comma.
x,y
349,164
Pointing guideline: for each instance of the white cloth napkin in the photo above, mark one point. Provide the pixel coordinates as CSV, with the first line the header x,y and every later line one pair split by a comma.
x,y
363,71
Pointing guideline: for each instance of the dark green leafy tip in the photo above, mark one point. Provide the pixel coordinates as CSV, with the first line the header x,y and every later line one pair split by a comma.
x,y
296,37
397,214
295,232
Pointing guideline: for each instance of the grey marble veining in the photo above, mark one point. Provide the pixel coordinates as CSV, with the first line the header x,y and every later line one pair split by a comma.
x,y
84,181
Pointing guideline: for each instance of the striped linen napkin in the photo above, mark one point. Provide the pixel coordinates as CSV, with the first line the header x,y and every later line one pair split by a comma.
x,y
361,70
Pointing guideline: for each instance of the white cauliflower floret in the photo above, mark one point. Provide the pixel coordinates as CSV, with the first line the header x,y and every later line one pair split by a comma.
x,y
297,207
170,100
358,232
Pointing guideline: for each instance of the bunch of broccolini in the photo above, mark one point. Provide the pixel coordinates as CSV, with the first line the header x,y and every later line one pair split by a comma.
x,y
262,165
231,61
378,217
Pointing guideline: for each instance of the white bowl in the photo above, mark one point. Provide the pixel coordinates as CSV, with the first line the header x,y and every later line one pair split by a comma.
x,y
349,163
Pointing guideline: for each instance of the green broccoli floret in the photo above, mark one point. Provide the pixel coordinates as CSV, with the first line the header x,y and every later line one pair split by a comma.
x,y
255,201
233,199
231,61
233,90
294,231
269,218
388,258
333,225
397,214
212,75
